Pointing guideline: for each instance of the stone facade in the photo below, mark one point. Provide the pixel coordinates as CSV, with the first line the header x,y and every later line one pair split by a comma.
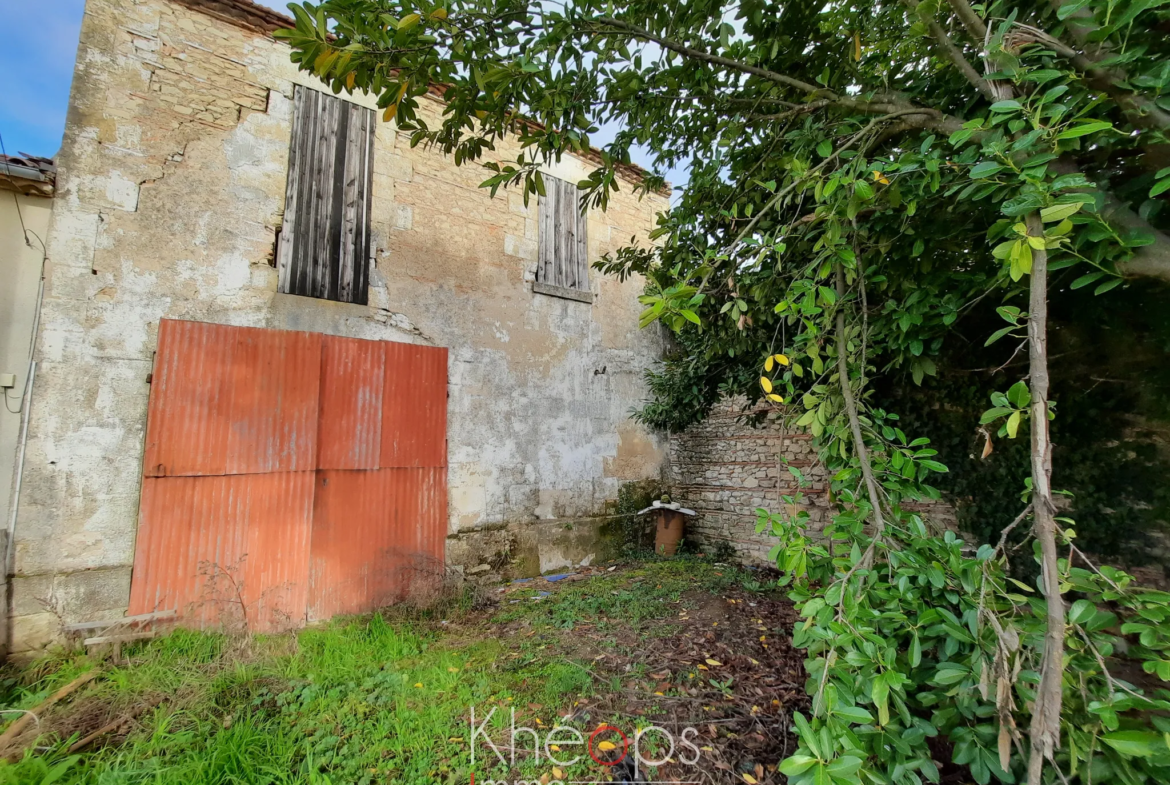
x,y
170,192
725,469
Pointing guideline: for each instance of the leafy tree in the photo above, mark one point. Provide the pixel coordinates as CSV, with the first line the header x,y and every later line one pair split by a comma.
x,y
861,174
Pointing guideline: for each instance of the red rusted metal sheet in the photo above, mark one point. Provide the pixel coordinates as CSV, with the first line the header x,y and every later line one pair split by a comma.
x,y
350,424
231,549
289,475
378,536
414,408
232,400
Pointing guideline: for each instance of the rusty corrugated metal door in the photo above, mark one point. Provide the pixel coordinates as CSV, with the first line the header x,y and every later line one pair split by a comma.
x,y
380,510
289,475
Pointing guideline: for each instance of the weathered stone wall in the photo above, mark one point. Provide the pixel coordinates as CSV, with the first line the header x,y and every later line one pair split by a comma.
x,y
725,469
170,191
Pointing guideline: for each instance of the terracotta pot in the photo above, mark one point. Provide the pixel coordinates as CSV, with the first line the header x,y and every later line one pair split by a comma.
x,y
668,532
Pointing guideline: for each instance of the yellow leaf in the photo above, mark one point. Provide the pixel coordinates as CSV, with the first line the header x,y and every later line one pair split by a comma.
x,y
388,115
766,383
754,661
349,79
713,662
763,637
537,721
438,13
543,779
452,670
558,773
775,397
661,695
703,668
455,739
418,684
554,748
856,45
606,746
769,363
749,779
408,21
780,358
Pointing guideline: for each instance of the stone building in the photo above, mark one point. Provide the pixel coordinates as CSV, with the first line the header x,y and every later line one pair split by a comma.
x,y
171,193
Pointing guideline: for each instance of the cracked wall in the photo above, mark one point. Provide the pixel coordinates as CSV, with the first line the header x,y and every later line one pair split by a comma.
x,y
170,191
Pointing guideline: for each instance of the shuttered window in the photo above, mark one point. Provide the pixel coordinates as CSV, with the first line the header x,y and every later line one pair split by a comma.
x,y
563,257
324,248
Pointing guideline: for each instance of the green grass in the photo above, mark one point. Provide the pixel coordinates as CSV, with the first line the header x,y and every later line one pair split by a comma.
x,y
360,700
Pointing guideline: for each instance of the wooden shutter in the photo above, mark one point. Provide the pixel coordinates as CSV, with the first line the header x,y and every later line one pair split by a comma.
x,y
563,256
325,240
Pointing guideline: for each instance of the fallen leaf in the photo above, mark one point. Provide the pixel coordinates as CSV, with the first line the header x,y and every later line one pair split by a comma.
x,y
554,748
418,684
760,770
606,746
750,780
713,662
452,670
455,739
558,773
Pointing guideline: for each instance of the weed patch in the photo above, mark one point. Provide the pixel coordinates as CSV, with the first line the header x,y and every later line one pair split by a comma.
x,y
385,698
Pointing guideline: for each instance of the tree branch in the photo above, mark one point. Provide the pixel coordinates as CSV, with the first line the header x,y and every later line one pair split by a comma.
x,y
952,52
879,522
1045,729
975,26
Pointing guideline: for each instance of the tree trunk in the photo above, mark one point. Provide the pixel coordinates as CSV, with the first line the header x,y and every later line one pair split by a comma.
x,y
879,522
1045,728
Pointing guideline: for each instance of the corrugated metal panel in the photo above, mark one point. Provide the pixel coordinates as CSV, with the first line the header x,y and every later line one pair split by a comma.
x,y
350,424
289,474
414,409
377,537
230,549
232,400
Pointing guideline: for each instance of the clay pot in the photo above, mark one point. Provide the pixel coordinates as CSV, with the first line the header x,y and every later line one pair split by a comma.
x,y
669,531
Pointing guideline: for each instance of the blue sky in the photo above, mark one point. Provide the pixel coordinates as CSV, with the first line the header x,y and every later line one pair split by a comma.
x,y
36,68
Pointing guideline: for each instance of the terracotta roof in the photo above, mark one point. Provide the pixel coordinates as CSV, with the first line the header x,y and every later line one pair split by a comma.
x,y
28,174
242,13
260,19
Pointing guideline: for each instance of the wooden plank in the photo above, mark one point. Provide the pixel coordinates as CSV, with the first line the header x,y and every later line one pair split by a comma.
x,y
284,260
546,233
362,277
124,621
582,250
130,636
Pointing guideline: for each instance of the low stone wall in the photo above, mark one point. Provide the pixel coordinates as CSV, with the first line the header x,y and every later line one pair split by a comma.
x,y
725,469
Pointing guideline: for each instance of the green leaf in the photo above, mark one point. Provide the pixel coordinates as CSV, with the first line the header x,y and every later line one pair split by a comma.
x,y
1160,187
853,714
1081,612
1006,106
825,148
1135,743
1084,129
1085,280
1067,9
1058,212
796,764
1013,425
1019,395
985,169
880,693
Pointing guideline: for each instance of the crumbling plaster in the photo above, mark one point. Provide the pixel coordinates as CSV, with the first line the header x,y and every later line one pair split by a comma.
x,y
170,191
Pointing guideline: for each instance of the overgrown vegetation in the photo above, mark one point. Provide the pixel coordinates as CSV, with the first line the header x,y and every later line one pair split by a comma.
x,y
383,698
862,174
